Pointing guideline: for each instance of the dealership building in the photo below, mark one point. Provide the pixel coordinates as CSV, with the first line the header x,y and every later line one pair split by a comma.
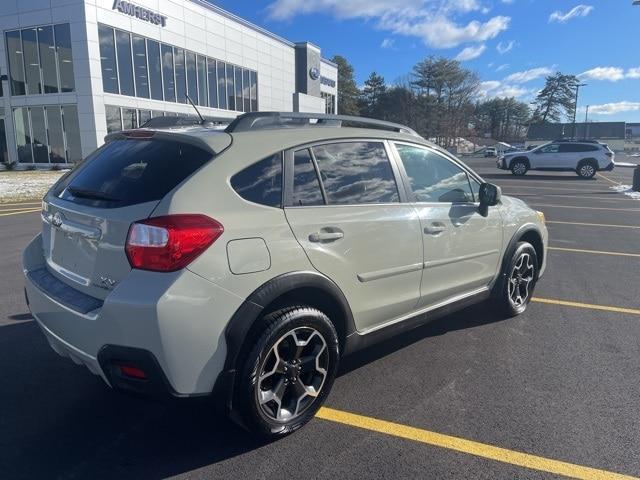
x,y
74,70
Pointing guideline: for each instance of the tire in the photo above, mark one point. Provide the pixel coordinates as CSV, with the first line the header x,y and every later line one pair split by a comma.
x,y
519,167
514,285
587,168
272,396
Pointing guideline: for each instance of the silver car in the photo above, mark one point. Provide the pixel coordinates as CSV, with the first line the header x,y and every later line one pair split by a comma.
x,y
244,263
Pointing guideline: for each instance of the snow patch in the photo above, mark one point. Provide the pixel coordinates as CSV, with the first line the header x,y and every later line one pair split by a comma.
x,y
26,185
626,189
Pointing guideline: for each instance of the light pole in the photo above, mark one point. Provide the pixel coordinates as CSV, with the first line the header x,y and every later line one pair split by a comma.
x,y
575,108
586,121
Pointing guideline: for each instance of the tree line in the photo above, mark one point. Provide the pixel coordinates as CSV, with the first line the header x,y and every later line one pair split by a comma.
x,y
442,101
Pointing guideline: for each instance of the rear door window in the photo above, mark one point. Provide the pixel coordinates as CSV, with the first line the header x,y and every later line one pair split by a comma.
x,y
306,186
128,172
261,182
356,173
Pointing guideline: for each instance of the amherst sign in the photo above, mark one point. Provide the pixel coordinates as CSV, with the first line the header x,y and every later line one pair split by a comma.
x,y
142,13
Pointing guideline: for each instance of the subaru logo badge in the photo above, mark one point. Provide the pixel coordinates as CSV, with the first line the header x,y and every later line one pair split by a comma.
x,y
56,220
314,73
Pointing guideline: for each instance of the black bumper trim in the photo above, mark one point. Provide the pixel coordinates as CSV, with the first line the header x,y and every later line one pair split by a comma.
x,y
63,293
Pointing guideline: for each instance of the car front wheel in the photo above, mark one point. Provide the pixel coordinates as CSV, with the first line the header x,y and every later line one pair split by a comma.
x,y
520,276
289,372
519,167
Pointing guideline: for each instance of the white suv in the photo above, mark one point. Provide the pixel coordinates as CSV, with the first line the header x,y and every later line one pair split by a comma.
x,y
585,157
244,263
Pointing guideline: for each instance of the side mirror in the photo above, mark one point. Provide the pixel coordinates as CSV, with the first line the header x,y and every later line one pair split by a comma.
x,y
489,196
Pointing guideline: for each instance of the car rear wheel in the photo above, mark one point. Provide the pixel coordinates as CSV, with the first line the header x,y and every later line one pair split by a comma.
x,y
289,372
520,276
587,169
519,167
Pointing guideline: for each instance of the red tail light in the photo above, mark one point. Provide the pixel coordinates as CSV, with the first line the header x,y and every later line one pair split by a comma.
x,y
170,243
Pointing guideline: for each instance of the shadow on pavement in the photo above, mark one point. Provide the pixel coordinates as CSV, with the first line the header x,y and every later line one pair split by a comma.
x,y
59,421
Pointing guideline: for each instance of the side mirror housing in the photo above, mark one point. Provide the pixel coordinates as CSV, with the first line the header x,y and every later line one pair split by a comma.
x,y
489,196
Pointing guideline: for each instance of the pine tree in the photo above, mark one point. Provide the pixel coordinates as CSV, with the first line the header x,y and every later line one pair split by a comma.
x,y
556,98
348,92
372,95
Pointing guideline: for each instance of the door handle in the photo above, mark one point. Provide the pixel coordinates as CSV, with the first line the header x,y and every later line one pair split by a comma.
x,y
434,229
324,236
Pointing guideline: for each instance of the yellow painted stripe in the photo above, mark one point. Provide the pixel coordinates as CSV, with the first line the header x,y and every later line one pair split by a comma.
x,y
18,213
470,447
589,306
594,252
20,209
633,210
593,224
608,179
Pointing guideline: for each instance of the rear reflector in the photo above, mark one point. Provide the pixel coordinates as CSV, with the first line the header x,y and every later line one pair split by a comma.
x,y
170,243
132,372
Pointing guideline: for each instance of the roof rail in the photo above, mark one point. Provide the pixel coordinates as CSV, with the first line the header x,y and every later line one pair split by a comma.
x,y
576,140
273,120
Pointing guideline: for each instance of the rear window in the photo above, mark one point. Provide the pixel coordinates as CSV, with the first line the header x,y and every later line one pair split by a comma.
x,y
128,172
261,182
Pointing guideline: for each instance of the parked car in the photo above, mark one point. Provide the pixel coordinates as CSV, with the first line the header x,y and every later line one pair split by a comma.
x,y
244,264
585,157
490,152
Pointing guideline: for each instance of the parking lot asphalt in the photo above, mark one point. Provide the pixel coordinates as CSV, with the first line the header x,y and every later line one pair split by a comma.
x,y
553,392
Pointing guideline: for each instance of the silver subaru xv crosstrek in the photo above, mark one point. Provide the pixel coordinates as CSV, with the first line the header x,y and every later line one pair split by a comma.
x,y
243,263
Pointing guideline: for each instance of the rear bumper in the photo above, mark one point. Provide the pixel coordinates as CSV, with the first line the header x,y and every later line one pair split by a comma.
x,y
609,167
501,164
178,319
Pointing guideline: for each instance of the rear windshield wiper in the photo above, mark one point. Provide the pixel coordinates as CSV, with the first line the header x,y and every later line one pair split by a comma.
x,y
91,194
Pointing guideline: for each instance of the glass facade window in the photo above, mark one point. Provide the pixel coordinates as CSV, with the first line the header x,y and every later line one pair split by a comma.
x,y
71,127
246,90
254,91
129,118
47,49
114,118
31,62
181,77
168,78
16,63
143,116
40,60
202,81
330,103
140,66
4,150
56,135
222,85
108,59
237,73
48,134
62,34
137,66
213,83
155,69
125,67
192,79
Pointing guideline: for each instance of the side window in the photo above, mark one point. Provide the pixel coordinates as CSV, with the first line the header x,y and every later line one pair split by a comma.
x,y
306,186
356,173
434,178
568,148
553,148
261,182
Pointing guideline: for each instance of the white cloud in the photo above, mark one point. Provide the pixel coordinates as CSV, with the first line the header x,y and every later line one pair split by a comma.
x,y
528,75
470,53
433,21
633,73
503,48
611,74
577,11
497,89
502,67
613,108
507,1
387,43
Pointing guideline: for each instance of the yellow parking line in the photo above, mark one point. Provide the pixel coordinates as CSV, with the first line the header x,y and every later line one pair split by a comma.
x,y
19,203
19,212
594,252
635,210
589,306
594,224
20,209
608,179
471,447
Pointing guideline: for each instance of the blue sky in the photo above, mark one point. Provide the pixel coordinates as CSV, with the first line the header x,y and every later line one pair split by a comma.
x,y
511,44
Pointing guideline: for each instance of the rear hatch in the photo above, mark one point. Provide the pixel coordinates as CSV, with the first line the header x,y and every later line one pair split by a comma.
x,y
87,215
